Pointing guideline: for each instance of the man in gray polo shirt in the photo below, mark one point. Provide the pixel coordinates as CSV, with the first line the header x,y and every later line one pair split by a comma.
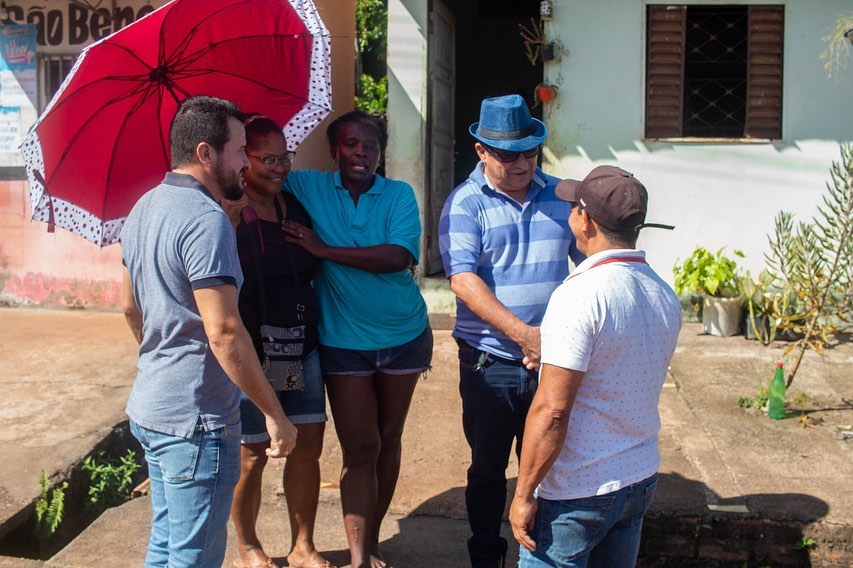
x,y
181,280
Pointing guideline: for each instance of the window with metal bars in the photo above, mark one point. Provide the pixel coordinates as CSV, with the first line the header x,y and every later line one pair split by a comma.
x,y
714,72
52,70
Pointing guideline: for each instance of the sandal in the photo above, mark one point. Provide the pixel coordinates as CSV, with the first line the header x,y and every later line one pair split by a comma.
x,y
268,564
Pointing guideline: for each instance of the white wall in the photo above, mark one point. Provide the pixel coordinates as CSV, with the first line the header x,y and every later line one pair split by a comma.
x,y
717,195
407,97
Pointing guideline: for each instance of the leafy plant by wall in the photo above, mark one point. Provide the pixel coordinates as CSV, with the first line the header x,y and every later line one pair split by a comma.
x,y
838,49
111,479
50,507
708,273
812,263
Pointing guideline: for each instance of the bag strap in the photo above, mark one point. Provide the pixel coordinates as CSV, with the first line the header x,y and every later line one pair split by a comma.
x,y
259,272
294,269
300,307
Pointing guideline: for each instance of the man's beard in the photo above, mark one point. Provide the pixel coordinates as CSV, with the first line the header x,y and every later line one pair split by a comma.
x,y
231,189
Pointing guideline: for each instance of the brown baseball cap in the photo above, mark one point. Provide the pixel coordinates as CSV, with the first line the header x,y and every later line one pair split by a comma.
x,y
612,197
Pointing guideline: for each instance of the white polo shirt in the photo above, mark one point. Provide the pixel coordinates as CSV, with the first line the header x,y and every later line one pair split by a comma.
x,y
617,321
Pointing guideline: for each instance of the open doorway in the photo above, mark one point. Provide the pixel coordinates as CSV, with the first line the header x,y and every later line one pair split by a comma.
x,y
475,51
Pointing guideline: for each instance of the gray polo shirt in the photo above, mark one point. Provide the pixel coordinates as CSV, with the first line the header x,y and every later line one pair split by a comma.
x,y
177,239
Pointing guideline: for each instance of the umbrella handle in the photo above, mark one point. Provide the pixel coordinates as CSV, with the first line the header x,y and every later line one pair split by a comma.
x,y
51,223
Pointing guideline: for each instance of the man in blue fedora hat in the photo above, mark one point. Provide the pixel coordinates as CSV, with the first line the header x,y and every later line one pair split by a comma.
x,y
505,247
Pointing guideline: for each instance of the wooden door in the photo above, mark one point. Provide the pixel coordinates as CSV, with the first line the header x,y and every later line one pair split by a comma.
x,y
440,123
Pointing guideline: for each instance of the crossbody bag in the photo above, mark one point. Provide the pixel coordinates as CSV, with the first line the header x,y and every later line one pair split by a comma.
x,y
283,348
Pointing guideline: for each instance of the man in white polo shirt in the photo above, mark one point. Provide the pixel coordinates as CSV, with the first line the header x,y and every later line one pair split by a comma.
x,y
609,332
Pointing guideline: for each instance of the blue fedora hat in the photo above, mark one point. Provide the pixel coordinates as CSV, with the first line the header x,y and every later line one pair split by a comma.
x,y
505,123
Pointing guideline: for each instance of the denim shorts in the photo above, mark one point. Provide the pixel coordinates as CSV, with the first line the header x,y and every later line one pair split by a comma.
x,y
412,357
301,407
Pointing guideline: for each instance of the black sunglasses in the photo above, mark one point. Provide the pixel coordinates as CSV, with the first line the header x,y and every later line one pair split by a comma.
x,y
510,157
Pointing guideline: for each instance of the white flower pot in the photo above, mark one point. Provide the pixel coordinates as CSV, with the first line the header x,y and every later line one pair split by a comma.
x,y
721,316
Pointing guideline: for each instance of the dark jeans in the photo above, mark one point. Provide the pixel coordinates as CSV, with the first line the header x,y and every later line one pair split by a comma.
x,y
495,401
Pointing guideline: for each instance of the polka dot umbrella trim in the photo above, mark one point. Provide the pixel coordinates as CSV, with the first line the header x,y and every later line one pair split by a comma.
x,y
103,140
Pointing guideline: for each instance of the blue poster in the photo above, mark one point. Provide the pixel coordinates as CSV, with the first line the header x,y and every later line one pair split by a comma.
x,y
10,129
18,65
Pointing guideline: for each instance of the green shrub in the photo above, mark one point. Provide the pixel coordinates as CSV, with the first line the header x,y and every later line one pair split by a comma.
x,y
707,273
50,507
759,401
111,479
812,263
374,95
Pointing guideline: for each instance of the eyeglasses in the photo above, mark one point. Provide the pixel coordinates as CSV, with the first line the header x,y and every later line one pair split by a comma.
x,y
510,157
272,161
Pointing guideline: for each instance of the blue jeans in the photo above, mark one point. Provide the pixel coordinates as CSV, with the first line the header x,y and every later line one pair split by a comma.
x,y
192,483
602,531
495,400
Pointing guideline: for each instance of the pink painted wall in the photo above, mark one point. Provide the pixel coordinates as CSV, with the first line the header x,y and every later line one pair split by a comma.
x,y
37,267
51,268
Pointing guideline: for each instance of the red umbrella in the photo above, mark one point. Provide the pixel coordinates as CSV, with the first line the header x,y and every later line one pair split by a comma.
x,y
103,140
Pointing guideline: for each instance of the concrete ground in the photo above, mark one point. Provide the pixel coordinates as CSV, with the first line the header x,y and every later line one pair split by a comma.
x,y
736,488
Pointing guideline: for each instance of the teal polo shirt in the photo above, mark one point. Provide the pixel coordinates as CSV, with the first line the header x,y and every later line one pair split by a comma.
x,y
359,309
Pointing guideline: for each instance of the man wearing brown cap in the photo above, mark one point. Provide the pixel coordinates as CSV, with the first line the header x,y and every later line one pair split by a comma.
x,y
588,468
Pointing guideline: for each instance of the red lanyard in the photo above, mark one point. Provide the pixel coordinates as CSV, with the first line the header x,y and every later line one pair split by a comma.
x,y
637,259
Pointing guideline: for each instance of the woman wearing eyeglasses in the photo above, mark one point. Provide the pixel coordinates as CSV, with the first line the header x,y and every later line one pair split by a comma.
x,y
279,294
375,339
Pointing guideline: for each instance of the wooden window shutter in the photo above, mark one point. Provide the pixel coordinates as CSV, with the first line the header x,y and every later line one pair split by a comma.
x,y
764,72
665,71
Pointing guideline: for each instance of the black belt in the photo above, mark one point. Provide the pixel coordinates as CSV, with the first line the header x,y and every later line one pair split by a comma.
x,y
464,345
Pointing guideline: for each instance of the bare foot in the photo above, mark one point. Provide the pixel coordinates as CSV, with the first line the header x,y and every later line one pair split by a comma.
x,y
254,558
312,559
376,558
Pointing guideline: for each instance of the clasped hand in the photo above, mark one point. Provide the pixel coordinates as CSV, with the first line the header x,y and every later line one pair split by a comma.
x,y
301,235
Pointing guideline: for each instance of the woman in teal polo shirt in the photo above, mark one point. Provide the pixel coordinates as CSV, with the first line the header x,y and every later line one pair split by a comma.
x,y
375,339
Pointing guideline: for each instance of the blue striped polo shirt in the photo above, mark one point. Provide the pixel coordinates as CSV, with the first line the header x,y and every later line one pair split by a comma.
x,y
520,251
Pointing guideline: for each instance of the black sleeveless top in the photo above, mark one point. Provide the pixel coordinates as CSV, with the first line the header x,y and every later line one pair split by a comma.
x,y
278,266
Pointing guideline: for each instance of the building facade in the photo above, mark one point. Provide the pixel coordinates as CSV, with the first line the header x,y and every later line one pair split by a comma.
x,y
723,109
61,268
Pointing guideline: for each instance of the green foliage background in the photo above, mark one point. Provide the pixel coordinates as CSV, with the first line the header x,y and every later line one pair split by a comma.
x,y
371,32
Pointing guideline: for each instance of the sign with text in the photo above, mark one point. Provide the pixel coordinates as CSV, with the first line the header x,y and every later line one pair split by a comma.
x,y
66,26
10,129
18,65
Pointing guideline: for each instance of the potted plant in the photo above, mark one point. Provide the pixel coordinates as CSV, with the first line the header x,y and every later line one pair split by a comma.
x,y
759,304
718,278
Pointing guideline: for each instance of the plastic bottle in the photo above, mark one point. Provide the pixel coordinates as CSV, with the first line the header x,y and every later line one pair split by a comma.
x,y
776,403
